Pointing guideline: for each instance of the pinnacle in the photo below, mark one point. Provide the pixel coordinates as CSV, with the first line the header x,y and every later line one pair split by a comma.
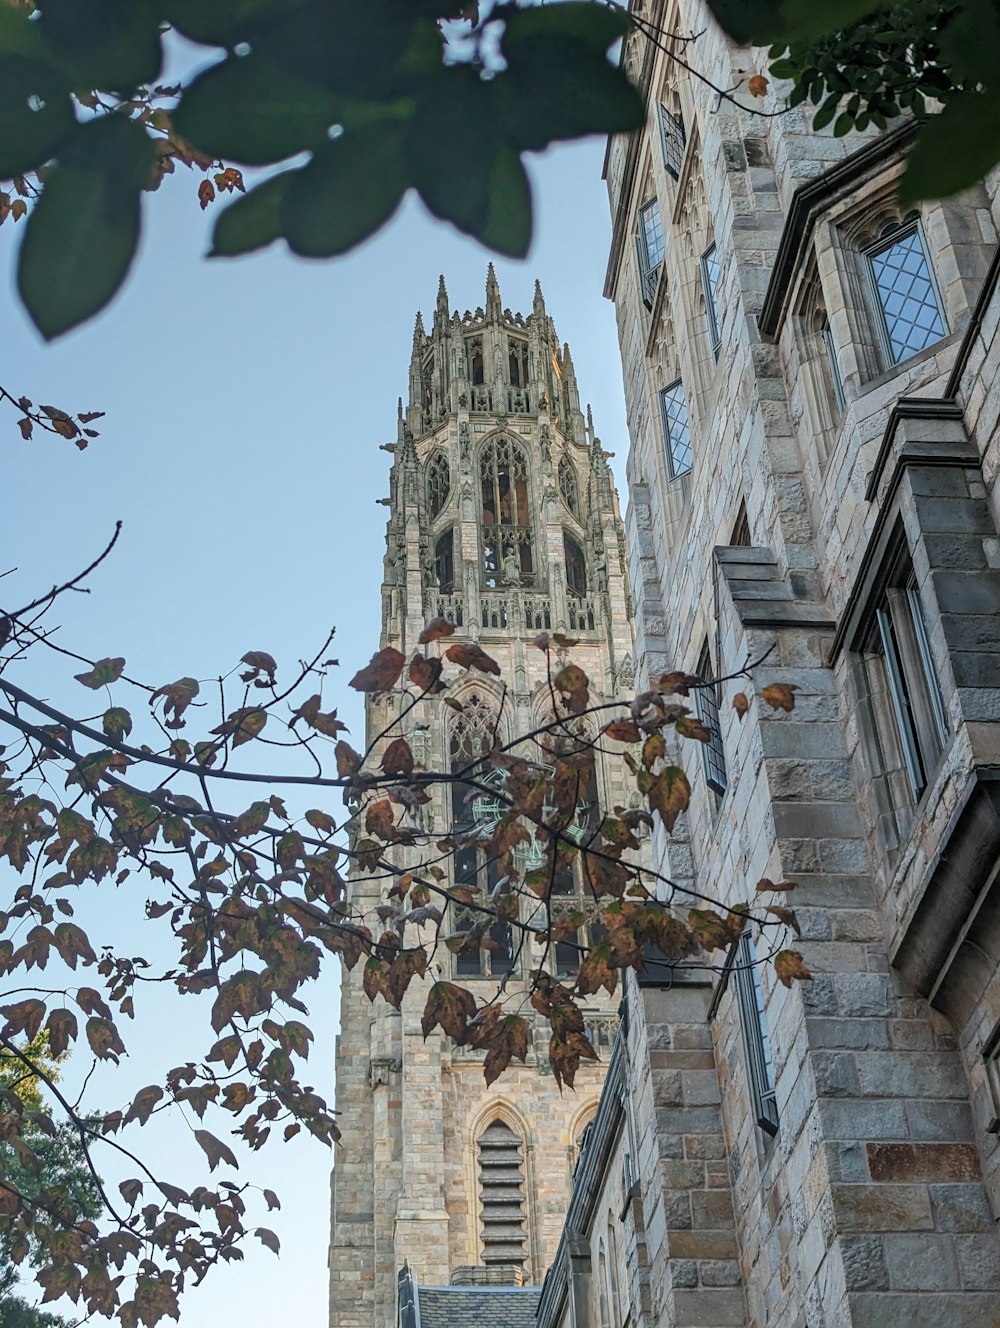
x,y
442,295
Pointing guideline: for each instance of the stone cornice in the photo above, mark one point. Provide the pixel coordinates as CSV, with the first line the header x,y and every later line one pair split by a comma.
x,y
808,202
975,326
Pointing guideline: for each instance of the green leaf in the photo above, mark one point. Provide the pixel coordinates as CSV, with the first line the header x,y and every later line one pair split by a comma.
x,y
29,138
104,672
589,25
251,111
954,150
253,221
105,43
350,188
117,723
82,233
759,22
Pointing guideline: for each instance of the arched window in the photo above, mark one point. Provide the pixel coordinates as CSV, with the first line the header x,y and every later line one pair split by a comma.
x,y
576,566
501,1189
444,562
570,894
476,362
438,483
568,486
603,1306
517,364
614,1279
489,949
507,537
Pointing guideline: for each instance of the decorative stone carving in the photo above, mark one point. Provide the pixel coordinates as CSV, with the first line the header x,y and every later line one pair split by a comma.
x,y
380,1067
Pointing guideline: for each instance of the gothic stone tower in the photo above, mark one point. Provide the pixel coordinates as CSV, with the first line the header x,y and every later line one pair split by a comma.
x,y
503,517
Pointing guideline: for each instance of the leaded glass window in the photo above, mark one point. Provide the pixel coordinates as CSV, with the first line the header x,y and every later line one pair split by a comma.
x,y
508,557
676,432
711,270
438,483
650,243
576,566
568,486
905,292
444,562
706,704
472,735
672,141
758,1046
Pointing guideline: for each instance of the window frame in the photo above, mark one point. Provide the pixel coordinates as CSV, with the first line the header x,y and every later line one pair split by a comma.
x,y
890,236
649,271
673,136
707,707
756,1042
710,291
991,1060
673,471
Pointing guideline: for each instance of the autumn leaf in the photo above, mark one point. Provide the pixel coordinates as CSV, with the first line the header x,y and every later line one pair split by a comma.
x,y
690,727
24,1017
472,656
242,725
712,931
740,704
450,1006
259,662
573,685
117,723
757,85
622,730
669,793
61,1028
426,674
780,695
206,194
379,820
239,994
321,821
787,916
653,749
104,672
565,1054
177,696
597,971
26,426
215,1150
677,682
348,760
381,672
788,966
269,1239
435,630
764,884
104,1040
326,723
398,758
508,1038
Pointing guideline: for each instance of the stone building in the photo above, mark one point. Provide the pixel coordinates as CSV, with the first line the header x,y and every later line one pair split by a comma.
x,y
812,391
503,517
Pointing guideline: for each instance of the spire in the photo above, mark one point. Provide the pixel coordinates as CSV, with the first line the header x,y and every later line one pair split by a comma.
x,y
493,308
538,304
442,297
418,329
568,368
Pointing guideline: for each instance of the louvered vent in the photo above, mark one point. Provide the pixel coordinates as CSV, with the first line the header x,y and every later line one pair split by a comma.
x,y
501,1182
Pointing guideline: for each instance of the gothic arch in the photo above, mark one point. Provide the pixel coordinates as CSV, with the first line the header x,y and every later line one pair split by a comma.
x,y
438,481
503,1110
508,555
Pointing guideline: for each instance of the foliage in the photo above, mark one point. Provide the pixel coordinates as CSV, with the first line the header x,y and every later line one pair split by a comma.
x,y
369,91
863,64
252,898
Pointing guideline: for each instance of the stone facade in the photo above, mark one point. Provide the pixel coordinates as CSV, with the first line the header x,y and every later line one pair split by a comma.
x,y
503,517
828,510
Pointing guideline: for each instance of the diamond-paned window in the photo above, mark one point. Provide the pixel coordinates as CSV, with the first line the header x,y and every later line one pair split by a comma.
x,y
711,270
672,141
906,294
650,245
706,704
676,431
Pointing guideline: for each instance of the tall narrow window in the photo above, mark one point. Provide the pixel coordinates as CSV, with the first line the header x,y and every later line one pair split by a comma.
x,y
444,562
672,141
501,1189
508,557
569,893
650,243
438,484
490,950
576,566
832,363
741,529
676,431
759,1063
905,292
568,486
898,658
706,704
711,270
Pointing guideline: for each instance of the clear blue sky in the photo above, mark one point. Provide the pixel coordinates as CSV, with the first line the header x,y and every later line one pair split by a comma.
x,y
245,405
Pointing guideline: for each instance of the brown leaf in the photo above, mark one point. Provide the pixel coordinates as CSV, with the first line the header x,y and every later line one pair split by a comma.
x,y
787,916
104,1040
177,696
23,1017
435,630
268,1238
215,1150
206,193
780,695
381,672
398,758
622,730
690,727
472,656
712,931
450,1006
348,760
653,749
565,1054
426,674
668,793
244,725
258,662
676,681
764,884
597,971
61,1028
573,685
26,427
380,822
789,965
740,704
507,1038
757,85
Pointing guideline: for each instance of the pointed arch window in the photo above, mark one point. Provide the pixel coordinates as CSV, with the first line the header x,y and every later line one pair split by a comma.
x,y
508,554
490,951
568,486
576,566
504,1236
517,363
570,893
438,484
476,362
444,562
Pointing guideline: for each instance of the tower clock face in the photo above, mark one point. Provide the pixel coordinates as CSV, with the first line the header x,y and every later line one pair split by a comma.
x,y
490,808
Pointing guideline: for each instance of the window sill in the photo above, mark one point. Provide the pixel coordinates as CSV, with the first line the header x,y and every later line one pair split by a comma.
x,y
889,375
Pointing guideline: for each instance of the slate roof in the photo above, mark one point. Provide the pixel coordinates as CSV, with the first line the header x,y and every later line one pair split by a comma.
x,y
474,1307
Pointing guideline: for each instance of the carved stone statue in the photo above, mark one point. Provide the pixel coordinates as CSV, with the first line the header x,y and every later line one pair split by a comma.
x,y
600,573
464,446
511,568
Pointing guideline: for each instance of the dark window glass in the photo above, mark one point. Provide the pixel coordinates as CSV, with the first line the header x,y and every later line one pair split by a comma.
x,y
438,483
508,556
444,562
758,1047
576,566
672,141
706,704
